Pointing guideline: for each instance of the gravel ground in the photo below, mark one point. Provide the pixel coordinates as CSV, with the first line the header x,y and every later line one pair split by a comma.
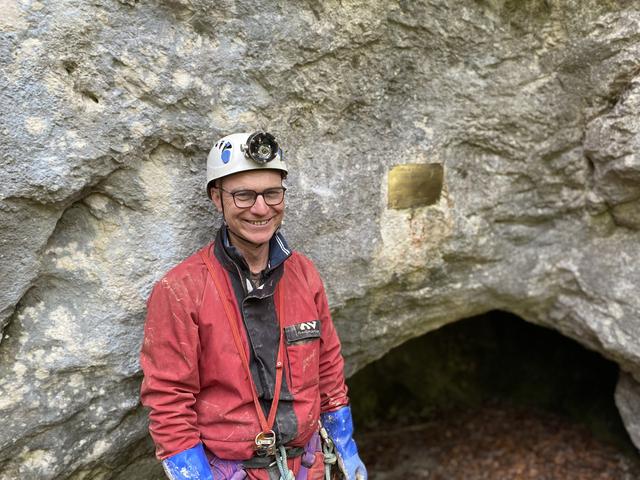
x,y
494,443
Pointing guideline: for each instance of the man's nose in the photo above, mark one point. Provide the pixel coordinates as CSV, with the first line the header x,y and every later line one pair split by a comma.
x,y
260,207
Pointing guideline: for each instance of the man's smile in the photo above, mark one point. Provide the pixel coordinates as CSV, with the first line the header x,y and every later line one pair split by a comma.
x,y
258,222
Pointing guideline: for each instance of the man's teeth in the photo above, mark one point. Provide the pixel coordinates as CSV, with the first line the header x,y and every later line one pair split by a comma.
x,y
261,222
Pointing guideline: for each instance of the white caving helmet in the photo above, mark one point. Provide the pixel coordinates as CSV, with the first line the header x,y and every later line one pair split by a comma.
x,y
241,152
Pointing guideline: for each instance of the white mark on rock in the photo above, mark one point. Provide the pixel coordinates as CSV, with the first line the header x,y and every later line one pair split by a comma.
x,y
19,369
37,461
323,192
12,17
139,128
35,125
616,311
70,258
98,449
30,313
182,78
62,325
97,202
76,380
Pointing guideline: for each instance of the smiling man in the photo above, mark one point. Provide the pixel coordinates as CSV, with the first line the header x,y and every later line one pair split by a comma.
x,y
240,356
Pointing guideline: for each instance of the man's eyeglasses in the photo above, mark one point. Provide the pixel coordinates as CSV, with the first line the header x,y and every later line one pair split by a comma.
x,y
247,198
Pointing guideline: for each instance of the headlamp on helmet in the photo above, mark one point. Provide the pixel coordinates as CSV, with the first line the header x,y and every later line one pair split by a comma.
x,y
261,147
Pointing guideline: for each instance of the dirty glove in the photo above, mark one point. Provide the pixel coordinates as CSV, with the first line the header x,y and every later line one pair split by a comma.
x,y
339,426
191,464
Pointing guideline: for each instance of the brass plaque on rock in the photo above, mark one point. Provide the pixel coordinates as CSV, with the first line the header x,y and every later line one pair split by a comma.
x,y
415,185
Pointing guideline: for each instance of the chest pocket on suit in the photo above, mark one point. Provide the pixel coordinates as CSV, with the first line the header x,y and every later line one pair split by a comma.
x,y
303,353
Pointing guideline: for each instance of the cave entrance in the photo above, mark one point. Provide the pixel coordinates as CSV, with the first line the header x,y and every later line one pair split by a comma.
x,y
491,392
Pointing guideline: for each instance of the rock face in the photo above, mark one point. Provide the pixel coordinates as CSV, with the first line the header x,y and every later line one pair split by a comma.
x,y
109,111
627,394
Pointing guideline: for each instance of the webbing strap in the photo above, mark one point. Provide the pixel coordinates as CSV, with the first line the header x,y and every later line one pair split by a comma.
x,y
265,423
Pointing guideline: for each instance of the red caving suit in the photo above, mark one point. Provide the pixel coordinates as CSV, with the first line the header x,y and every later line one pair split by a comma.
x,y
194,381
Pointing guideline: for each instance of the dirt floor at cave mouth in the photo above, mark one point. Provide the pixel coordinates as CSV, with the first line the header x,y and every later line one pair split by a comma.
x,y
494,442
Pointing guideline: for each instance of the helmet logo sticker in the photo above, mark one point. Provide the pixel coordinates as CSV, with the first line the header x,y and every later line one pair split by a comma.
x,y
226,153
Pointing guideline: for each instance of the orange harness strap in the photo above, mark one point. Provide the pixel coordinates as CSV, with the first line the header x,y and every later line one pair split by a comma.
x,y
265,440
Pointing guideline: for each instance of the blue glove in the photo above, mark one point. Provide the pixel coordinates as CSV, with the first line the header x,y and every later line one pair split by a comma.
x,y
339,426
191,464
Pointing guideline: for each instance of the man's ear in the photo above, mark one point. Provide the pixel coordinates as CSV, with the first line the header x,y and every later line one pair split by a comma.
x,y
216,198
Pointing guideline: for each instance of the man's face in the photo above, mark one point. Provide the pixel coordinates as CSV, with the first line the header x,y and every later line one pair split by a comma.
x,y
258,223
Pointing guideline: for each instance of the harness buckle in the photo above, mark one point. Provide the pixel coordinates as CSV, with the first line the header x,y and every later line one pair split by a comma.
x,y
265,443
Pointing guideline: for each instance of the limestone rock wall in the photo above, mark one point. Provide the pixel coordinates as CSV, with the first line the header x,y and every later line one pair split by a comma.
x,y
110,107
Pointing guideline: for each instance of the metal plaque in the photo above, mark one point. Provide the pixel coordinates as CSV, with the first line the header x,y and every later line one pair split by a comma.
x,y
415,185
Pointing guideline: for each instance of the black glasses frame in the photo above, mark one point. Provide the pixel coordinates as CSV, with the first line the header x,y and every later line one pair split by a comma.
x,y
255,196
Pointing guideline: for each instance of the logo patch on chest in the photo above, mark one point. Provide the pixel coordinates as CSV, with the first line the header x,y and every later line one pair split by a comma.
x,y
302,331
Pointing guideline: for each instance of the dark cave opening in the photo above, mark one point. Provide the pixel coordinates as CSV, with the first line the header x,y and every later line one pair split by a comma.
x,y
494,357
